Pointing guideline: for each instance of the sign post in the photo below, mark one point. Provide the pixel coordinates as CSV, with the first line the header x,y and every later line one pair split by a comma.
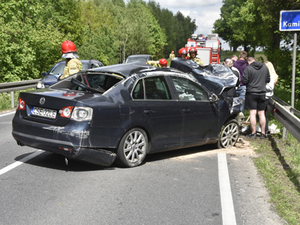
x,y
290,21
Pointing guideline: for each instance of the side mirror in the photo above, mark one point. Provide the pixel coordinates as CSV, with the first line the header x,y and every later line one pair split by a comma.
x,y
213,98
44,74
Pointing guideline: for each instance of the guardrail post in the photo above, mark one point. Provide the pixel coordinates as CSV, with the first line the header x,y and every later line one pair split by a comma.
x,y
12,99
285,132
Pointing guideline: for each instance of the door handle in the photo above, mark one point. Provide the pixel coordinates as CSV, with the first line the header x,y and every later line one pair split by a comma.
x,y
186,110
148,111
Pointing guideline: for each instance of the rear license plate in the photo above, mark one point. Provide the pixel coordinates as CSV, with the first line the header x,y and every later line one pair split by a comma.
x,y
47,113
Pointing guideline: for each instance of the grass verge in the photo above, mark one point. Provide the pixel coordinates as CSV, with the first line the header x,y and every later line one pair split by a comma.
x,y
278,161
5,99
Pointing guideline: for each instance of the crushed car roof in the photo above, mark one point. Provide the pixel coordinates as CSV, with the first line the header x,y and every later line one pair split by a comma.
x,y
215,77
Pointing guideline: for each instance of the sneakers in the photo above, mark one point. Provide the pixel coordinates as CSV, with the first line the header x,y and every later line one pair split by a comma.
x,y
263,136
251,135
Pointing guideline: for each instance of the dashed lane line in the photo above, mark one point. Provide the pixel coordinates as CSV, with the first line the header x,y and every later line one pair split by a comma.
x,y
228,214
20,162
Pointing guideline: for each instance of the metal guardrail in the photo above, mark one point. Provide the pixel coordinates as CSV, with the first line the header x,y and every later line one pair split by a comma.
x,y
17,86
285,114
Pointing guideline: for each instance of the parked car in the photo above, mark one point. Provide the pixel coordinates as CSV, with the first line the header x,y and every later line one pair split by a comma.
x,y
57,70
123,112
138,58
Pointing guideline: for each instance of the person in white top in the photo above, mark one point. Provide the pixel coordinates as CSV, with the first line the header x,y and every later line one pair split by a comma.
x,y
270,90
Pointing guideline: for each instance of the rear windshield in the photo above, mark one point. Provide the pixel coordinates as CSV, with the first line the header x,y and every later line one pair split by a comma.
x,y
98,81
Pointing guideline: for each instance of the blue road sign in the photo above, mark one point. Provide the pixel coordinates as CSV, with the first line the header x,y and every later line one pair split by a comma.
x,y
289,20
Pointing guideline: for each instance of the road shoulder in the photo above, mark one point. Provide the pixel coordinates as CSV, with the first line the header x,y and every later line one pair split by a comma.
x,y
251,194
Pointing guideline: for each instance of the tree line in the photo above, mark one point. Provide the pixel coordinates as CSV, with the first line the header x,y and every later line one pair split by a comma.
x,y
31,32
255,23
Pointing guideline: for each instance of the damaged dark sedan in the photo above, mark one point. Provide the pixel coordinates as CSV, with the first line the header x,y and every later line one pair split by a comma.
x,y
122,113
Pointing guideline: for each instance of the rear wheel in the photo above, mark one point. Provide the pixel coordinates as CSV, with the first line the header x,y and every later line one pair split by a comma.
x,y
133,148
229,134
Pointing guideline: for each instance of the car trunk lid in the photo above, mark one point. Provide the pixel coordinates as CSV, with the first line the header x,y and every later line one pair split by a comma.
x,y
46,107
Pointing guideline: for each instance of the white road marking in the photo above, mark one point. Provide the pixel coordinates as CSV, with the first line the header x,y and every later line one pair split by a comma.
x,y
6,114
228,214
20,162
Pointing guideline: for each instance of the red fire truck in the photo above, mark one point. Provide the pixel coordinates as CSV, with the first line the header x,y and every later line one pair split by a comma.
x,y
208,47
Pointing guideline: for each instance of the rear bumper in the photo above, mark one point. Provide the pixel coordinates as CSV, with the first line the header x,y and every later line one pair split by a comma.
x,y
92,155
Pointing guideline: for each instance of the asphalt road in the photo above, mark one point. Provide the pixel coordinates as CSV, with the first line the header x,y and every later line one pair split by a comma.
x,y
198,185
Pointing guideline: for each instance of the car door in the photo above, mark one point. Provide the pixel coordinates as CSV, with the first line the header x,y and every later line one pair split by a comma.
x,y
160,111
199,114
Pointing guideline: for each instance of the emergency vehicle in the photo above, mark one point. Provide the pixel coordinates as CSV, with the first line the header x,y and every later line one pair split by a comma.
x,y
208,47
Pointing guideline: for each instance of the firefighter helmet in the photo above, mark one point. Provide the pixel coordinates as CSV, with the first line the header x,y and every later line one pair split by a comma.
x,y
193,49
182,51
69,50
163,62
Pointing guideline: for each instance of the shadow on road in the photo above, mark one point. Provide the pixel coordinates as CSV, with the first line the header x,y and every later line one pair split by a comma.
x,y
57,162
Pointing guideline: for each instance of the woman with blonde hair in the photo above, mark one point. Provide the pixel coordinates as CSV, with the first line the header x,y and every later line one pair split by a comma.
x,y
269,90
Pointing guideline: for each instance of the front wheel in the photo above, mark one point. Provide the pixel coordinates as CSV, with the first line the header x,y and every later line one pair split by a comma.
x,y
133,148
229,134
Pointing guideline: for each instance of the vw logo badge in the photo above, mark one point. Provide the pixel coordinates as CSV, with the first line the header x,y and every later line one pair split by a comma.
x,y
42,101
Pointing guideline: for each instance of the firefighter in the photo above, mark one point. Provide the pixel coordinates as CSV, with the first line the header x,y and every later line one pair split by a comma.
x,y
193,53
160,63
172,55
73,64
182,53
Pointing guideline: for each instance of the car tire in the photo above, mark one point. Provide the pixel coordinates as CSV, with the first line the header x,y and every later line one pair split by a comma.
x,y
229,134
133,148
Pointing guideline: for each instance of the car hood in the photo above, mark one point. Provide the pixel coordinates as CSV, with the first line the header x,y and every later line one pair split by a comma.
x,y
214,77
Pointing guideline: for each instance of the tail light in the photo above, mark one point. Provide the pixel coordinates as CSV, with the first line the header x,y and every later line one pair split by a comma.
x,y
66,111
78,113
82,113
21,104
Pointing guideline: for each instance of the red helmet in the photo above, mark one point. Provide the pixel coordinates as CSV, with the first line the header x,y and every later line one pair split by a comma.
x,y
163,62
193,49
68,46
182,51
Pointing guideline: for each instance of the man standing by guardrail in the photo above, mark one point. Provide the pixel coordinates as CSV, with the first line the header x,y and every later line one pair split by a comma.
x,y
255,77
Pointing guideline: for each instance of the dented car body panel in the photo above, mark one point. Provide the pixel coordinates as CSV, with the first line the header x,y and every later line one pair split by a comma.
x,y
179,112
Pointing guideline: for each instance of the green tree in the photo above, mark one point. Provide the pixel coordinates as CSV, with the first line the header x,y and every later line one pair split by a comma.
x,y
166,21
137,31
185,27
223,26
31,36
98,36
